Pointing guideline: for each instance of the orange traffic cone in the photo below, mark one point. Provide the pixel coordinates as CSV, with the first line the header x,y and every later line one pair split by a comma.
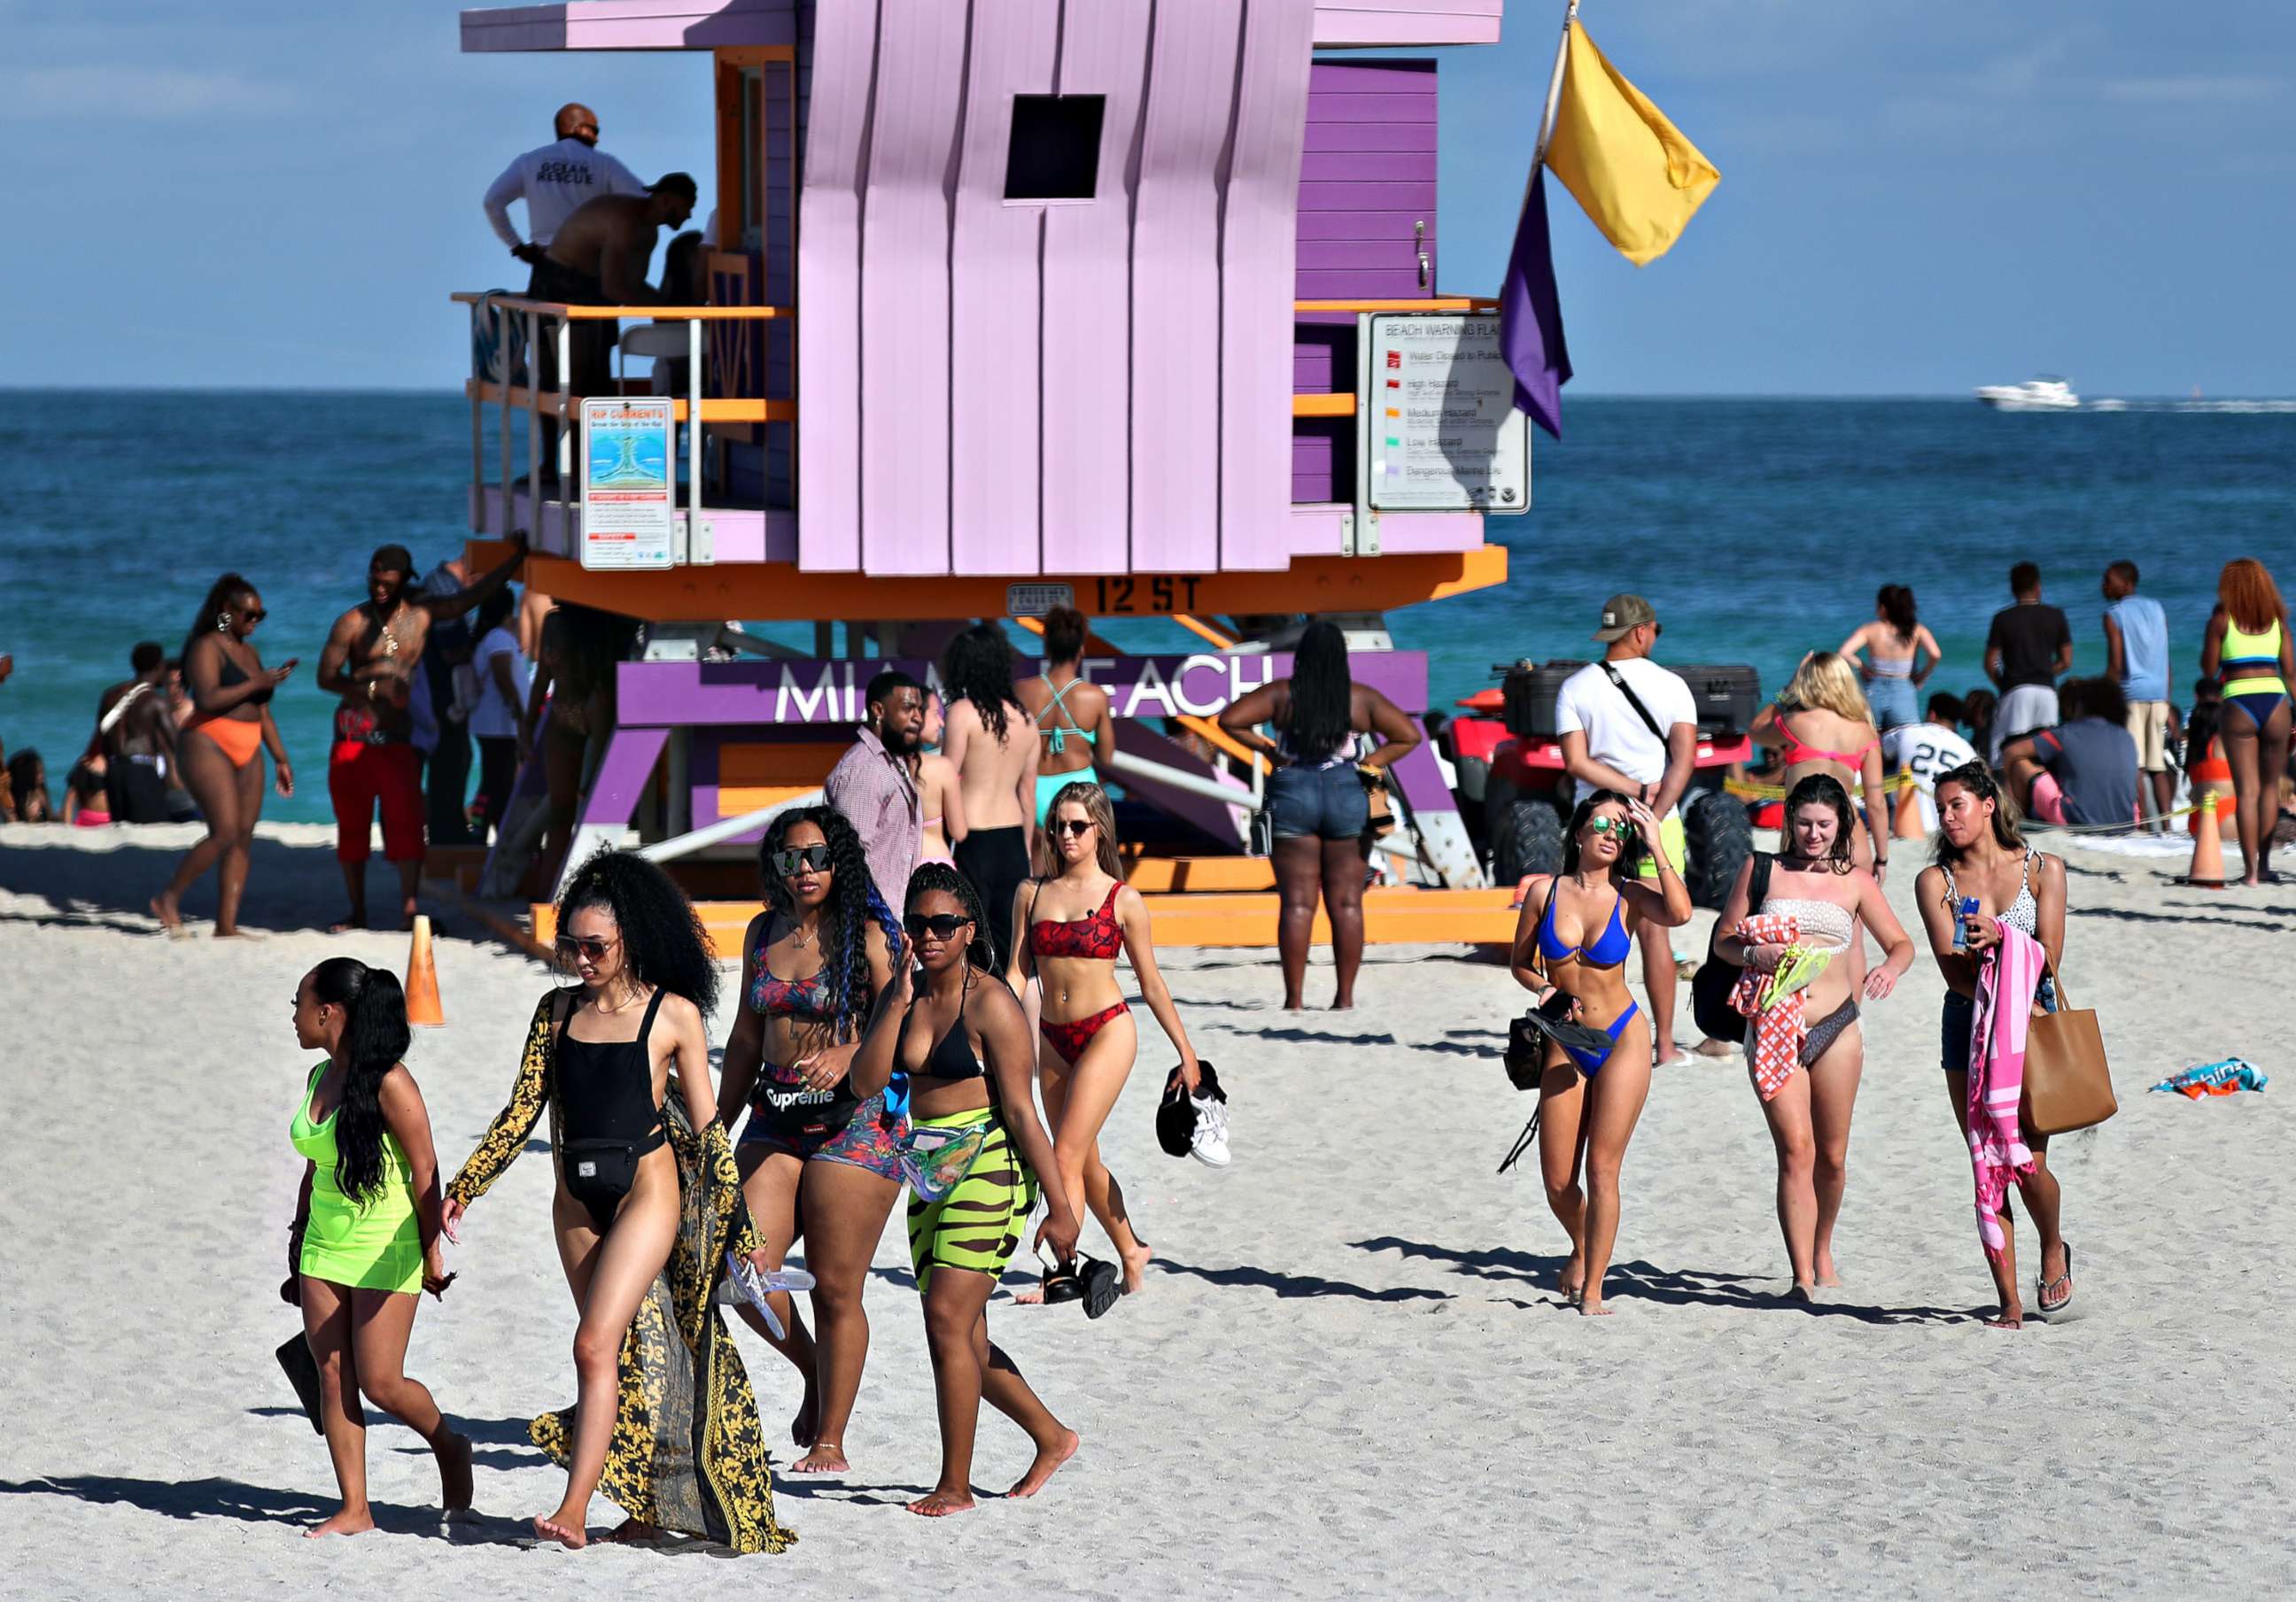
x,y
422,1009
1905,824
2208,869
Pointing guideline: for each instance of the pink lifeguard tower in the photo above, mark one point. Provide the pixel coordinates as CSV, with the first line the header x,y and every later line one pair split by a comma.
x,y
1013,301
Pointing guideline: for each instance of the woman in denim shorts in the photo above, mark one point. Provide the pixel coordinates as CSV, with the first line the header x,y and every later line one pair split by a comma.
x,y
1317,798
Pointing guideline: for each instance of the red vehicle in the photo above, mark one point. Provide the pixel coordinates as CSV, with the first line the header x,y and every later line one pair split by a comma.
x,y
1515,796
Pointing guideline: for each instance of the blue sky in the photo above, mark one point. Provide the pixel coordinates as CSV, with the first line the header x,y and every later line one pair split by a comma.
x,y
1914,199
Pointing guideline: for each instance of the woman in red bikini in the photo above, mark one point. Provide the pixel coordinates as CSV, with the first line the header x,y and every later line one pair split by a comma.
x,y
1821,725
1078,914
220,748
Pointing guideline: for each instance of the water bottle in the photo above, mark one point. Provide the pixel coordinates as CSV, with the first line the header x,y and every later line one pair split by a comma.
x,y
1964,911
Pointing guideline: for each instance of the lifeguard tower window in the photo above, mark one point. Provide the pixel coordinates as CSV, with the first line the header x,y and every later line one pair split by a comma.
x,y
1054,153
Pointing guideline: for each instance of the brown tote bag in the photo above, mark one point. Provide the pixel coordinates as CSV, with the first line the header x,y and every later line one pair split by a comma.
x,y
2068,1085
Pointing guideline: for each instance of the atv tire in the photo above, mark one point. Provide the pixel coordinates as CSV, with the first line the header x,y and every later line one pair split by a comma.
x,y
1721,839
1527,838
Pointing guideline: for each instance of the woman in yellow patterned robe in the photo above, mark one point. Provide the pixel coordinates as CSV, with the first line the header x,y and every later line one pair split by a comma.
x,y
688,1453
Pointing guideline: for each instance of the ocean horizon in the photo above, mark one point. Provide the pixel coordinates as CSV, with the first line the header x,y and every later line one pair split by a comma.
x,y
1759,526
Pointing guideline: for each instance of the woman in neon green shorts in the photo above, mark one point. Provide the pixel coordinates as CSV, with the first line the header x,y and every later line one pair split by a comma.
x,y
365,1236
2248,647
963,1043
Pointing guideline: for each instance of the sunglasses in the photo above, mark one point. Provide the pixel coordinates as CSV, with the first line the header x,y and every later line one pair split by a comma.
x,y
591,951
1074,828
943,925
255,615
789,863
1619,826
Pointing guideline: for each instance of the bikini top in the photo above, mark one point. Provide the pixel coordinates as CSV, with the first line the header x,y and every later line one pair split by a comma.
x,y
1056,736
2250,661
2024,913
776,997
1793,752
605,1087
951,1057
1825,925
1098,936
233,673
1610,948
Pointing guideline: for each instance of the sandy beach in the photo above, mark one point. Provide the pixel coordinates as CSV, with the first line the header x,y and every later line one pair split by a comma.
x,y
1349,1374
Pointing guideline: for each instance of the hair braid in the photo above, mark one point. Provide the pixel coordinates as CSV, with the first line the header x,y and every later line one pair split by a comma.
x,y
852,905
932,877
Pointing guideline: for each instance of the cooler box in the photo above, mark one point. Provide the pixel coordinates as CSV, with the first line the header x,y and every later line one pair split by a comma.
x,y
1726,697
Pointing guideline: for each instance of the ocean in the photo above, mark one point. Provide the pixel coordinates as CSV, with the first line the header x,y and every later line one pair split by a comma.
x,y
1758,528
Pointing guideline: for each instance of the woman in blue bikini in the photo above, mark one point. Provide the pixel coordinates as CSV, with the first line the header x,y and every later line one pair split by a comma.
x,y
1572,937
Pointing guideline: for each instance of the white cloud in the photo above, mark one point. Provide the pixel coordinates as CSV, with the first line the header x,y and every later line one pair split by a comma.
x,y
116,94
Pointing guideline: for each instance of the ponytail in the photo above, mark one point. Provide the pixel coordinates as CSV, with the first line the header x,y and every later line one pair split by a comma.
x,y
375,1036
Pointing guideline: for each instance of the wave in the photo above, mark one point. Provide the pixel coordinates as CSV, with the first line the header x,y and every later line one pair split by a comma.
x,y
2240,407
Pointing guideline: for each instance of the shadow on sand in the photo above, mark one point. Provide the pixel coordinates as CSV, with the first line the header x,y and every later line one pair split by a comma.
x,y
218,1498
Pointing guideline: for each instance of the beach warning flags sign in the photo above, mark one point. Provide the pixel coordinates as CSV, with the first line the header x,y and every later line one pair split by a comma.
x,y
1637,178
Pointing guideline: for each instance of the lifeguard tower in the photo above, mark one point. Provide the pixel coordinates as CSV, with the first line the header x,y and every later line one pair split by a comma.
x,y
1017,302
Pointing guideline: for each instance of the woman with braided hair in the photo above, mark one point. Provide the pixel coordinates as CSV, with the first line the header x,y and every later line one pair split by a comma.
x,y
815,1158
960,1041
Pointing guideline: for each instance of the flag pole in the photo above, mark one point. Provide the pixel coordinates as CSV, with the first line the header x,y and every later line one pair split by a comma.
x,y
1553,96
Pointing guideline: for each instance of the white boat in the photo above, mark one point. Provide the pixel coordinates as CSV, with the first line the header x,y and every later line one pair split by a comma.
x,y
2034,395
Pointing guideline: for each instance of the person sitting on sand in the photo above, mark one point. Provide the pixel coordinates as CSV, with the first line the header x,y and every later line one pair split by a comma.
x,y
1982,859
966,1062
1812,1026
370,660
365,1236
817,1160
219,749
648,1207
1069,926
2084,772
1572,937
26,786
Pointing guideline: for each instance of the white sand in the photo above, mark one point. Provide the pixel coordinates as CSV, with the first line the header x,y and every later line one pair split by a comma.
x,y
1349,1375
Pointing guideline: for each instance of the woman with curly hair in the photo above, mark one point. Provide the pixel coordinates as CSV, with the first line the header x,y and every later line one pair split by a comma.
x,y
1071,922
960,1043
220,749
1575,943
647,1211
365,1242
2248,644
815,1158
1805,1050
993,740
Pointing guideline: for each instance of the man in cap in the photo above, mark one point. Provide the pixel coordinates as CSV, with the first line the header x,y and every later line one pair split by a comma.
x,y
1630,725
554,180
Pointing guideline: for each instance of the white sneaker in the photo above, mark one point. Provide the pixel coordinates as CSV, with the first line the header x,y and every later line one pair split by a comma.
x,y
1209,1145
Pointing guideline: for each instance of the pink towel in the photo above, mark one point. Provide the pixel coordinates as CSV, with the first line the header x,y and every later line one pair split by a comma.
x,y
1778,1032
2005,987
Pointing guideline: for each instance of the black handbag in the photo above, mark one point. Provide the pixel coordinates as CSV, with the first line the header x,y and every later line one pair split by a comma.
x,y
1716,978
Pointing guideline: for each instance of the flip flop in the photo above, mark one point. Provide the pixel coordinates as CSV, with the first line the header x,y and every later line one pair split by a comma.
x,y
756,1286
1103,1286
302,1371
2042,1287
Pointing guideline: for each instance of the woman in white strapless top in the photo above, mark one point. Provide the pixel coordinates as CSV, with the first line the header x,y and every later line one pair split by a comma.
x,y
1829,897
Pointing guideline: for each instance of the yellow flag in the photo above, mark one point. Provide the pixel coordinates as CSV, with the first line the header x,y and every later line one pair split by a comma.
x,y
1635,176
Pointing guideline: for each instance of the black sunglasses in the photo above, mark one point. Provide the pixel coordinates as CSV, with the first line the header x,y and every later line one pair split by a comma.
x,y
255,615
575,946
1070,826
943,924
789,863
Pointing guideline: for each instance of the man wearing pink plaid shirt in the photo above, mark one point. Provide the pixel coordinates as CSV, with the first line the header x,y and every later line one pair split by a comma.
x,y
873,786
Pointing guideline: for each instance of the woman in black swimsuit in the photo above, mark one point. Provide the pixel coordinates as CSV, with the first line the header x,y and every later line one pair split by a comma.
x,y
640,1171
219,750
815,1158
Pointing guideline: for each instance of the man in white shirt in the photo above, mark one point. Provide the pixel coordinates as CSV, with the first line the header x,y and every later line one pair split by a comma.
x,y
1924,750
554,180
1646,751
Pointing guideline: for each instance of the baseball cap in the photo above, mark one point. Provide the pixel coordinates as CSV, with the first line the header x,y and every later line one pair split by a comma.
x,y
1622,613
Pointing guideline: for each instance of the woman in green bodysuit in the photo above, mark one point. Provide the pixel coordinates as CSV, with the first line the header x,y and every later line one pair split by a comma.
x,y
365,1236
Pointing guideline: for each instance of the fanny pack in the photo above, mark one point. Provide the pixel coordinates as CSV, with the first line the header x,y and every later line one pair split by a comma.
x,y
794,1110
604,1168
357,725
936,1158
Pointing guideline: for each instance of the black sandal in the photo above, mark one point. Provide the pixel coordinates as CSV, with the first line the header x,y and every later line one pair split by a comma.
x,y
1103,1286
2042,1287
1060,1282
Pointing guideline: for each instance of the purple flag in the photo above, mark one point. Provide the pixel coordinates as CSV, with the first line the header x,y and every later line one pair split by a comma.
x,y
1530,317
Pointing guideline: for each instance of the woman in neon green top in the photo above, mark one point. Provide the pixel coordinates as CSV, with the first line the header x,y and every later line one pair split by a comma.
x,y
2247,644
365,1236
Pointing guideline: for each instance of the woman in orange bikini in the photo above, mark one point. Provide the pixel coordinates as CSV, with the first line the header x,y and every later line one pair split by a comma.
x,y
216,751
1070,923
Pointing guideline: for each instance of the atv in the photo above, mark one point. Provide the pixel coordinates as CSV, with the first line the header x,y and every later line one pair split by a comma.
x,y
1515,796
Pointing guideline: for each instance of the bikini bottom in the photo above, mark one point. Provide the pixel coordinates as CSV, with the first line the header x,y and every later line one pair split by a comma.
x,y
2259,705
1069,1039
1589,1060
1828,1029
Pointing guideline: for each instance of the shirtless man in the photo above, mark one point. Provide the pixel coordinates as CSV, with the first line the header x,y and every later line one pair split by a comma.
x,y
370,660
137,733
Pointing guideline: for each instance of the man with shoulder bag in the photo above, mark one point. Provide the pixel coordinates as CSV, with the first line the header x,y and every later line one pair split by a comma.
x,y
1630,725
